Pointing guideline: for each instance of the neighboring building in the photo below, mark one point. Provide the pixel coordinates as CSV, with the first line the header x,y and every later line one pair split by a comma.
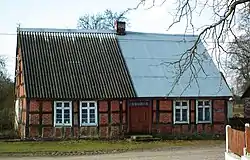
x,y
75,83
246,98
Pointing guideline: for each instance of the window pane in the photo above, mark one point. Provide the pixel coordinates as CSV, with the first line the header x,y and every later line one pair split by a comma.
x,y
177,103
66,105
58,120
58,116
207,114
58,111
85,116
66,113
200,103
84,120
84,104
200,114
177,115
92,115
84,111
184,103
92,111
184,114
66,120
207,103
92,120
58,104
92,104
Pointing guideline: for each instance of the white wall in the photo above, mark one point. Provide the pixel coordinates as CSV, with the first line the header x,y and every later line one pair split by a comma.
x,y
229,109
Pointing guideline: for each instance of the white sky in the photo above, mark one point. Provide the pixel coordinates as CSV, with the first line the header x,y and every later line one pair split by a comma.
x,y
65,13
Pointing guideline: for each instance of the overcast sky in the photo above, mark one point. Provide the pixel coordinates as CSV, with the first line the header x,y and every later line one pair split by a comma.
x,y
65,13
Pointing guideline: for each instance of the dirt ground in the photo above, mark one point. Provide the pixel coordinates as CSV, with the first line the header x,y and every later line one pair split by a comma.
x,y
178,153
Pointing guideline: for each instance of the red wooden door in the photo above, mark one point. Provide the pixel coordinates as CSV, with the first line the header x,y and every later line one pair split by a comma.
x,y
140,119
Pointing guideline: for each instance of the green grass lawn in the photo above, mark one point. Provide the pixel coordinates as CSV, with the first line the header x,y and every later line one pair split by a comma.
x,y
85,146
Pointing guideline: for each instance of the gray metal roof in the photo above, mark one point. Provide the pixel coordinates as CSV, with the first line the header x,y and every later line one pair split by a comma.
x,y
145,54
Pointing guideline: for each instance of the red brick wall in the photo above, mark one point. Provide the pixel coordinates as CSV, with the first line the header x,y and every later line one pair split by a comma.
x,y
40,118
103,120
165,111
47,106
165,105
47,132
165,115
219,116
219,111
154,112
113,120
115,106
34,106
103,106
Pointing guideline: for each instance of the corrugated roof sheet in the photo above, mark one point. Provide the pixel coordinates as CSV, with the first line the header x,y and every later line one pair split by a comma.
x,y
146,54
73,65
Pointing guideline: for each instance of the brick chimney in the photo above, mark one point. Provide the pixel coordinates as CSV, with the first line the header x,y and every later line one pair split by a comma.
x,y
120,27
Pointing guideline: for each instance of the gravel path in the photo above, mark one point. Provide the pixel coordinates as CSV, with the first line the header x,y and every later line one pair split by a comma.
x,y
179,153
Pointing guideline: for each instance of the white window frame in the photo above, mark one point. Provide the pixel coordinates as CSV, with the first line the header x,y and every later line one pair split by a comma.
x,y
88,113
204,106
62,108
181,107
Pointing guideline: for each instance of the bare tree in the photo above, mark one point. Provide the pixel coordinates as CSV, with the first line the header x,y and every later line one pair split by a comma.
x,y
224,14
103,20
239,62
239,55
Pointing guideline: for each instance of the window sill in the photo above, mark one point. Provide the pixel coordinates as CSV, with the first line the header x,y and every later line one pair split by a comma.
x,y
180,122
89,125
204,122
62,125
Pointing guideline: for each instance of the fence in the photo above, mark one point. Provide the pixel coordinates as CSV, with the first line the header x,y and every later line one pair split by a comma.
x,y
237,141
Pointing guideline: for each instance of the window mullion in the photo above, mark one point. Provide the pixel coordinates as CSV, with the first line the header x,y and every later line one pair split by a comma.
x,y
203,110
62,113
88,112
181,114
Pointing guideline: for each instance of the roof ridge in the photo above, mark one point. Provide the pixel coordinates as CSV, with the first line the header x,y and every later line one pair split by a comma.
x,y
65,30
98,31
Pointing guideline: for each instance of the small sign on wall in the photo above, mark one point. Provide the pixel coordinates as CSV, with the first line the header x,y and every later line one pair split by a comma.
x,y
139,103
